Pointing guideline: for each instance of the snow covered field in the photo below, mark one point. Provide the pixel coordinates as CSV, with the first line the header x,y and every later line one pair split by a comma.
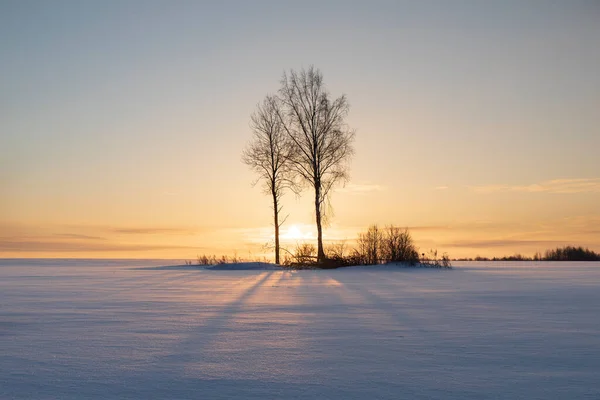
x,y
131,330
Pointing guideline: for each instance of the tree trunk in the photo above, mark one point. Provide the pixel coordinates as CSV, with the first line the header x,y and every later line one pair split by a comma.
x,y
320,252
276,223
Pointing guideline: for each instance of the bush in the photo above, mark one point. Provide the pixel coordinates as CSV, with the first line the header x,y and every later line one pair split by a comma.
x,y
304,256
431,260
336,250
391,245
337,256
398,246
207,260
369,246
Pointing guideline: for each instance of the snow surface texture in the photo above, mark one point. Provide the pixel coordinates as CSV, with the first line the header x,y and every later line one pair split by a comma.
x,y
93,330
246,266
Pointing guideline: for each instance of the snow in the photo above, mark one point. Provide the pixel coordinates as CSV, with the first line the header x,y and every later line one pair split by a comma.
x,y
139,330
256,266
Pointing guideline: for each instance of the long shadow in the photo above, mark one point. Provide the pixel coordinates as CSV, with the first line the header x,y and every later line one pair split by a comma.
x,y
343,328
164,277
379,304
203,335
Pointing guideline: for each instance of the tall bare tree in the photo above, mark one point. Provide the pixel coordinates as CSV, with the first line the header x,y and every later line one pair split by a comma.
x,y
268,155
322,142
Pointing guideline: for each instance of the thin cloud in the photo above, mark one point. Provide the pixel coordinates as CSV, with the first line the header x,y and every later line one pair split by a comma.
x,y
582,185
361,188
153,231
250,235
429,228
77,236
75,247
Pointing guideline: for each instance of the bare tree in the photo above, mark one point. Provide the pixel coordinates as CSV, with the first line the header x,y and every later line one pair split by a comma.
x,y
268,154
370,246
321,140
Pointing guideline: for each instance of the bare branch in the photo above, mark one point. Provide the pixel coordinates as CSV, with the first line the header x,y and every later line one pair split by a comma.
x,y
321,142
269,155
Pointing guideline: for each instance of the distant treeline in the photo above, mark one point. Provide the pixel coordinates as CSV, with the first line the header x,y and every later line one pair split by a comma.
x,y
567,253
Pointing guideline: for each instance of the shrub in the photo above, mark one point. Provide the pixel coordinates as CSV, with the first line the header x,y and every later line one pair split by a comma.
x,y
398,246
214,260
369,246
206,260
336,250
431,260
305,255
445,261
337,256
391,245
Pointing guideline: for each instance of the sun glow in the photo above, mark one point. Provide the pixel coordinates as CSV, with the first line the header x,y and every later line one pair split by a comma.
x,y
295,232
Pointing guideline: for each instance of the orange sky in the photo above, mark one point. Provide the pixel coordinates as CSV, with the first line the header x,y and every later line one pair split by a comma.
x,y
122,129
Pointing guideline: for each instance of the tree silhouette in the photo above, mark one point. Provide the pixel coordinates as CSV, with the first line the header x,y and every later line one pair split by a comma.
x,y
268,155
321,141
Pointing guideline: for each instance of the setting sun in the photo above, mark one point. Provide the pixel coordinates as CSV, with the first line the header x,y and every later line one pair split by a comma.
x,y
296,232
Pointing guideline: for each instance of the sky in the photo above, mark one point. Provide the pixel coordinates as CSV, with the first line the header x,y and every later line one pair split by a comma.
x,y
122,123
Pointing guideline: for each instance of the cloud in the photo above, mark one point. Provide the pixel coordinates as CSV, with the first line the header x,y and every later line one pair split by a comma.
x,y
361,188
74,247
429,228
581,185
153,231
249,235
441,188
77,236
